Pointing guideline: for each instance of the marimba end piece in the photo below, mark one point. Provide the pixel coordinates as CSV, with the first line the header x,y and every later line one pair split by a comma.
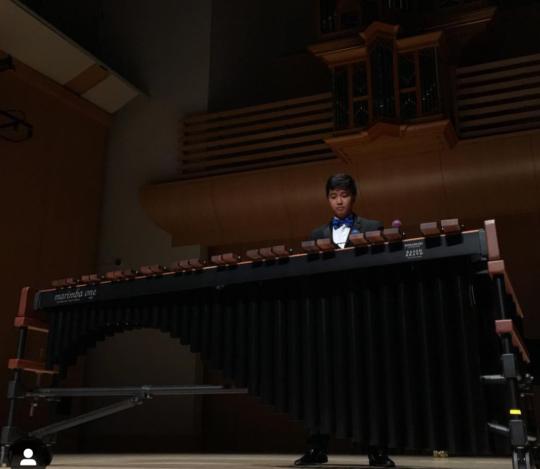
x,y
494,252
430,229
507,326
374,236
392,235
451,226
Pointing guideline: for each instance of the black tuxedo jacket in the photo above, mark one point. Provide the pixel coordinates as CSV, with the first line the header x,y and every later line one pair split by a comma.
x,y
360,225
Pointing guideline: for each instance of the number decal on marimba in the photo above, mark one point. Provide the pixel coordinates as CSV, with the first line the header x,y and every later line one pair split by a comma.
x,y
414,250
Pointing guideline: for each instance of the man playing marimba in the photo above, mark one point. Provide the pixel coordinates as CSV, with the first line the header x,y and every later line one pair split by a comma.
x,y
341,194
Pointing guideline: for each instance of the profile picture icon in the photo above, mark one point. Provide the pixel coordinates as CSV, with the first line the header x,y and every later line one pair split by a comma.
x,y
29,452
28,460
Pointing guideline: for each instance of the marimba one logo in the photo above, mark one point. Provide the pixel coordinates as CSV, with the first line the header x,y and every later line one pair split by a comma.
x,y
413,250
75,296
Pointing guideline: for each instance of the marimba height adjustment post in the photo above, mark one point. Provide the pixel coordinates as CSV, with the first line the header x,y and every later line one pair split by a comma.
x,y
522,457
9,433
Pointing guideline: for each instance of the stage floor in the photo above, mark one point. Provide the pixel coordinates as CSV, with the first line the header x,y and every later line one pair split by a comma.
x,y
255,461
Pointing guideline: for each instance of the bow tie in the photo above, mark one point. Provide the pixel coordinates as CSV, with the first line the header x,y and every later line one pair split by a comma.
x,y
347,221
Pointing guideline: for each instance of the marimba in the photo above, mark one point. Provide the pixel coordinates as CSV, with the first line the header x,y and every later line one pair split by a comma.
x,y
388,342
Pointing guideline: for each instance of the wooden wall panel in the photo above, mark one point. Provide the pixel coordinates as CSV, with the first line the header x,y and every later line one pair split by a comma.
x,y
402,185
50,196
241,208
266,135
256,205
498,97
183,209
494,176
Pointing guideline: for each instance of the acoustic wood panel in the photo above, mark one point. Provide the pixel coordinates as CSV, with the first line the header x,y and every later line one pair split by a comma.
x,y
268,135
498,97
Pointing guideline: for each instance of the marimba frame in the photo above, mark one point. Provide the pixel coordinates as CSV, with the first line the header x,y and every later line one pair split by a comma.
x,y
523,445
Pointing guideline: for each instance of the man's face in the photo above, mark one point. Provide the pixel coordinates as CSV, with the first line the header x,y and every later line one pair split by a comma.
x,y
341,202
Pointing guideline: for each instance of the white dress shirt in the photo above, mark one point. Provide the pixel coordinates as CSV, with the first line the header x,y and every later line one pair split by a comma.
x,y
340,235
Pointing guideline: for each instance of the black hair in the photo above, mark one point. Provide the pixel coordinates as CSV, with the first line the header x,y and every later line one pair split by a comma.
x,y
341,181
